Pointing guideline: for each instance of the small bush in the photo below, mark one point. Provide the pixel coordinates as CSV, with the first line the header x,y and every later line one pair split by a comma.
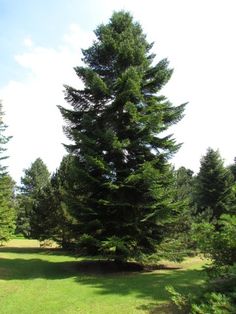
x,y
214,303
181,302
88,245
209,303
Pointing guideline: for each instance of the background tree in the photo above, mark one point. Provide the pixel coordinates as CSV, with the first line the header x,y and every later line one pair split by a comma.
x,y
65,201
7,210
53,219
124,194
184,182
35,179
214,188
232,168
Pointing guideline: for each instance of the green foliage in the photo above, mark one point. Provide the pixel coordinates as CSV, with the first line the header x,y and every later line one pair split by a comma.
x,y
7,210
175,247
36,177
24,205
214,303
218,244
3,141
41,222
184,185
88,245
62,224
209,303
123,190
181,301
184,181
232,168
49,217
214,188
214,234
118,248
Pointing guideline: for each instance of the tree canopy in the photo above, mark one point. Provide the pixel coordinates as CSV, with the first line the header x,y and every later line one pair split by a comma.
x,y
35,178
116,126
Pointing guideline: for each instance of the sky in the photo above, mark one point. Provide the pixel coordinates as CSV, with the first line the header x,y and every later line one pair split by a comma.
x,y
41,41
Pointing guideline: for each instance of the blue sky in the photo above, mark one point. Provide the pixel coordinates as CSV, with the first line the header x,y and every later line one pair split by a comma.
x,y
44,21
40,43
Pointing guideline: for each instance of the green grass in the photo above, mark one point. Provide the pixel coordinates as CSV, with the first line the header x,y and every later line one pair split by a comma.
x,y
34,280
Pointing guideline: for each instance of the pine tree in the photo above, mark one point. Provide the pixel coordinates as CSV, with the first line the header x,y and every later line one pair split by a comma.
x,y
116,124
35,179
184,190
7,211
214,188
54,220
232,168
64,200
184,181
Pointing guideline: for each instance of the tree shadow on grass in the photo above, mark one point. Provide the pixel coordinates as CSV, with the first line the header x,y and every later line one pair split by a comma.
x,y
155,308
145,284
148,286
32,250
27,269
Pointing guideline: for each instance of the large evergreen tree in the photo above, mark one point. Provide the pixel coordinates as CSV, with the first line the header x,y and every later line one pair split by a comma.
x,y
214,187
7,211
36,177
116,125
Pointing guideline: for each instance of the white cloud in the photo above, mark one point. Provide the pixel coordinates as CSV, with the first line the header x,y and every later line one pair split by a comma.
x,y
28,42
31,104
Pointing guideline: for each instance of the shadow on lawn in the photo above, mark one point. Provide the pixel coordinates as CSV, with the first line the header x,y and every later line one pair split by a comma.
x,y
32,250
144,284
149,286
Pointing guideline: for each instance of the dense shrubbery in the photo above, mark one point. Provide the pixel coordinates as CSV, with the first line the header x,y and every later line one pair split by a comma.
x,y
218,243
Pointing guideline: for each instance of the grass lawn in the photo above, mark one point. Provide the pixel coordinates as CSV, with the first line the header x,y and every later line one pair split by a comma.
x,y
35,280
